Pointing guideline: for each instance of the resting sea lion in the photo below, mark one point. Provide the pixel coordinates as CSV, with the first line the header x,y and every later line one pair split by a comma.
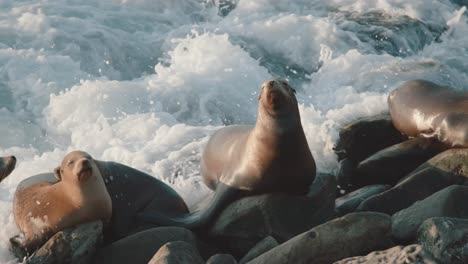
x,y
7,165
272,156
42,209
424,109
132,192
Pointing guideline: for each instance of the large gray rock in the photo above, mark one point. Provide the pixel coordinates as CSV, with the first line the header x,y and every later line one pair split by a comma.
x,y
351,235
349,202
140,247
75,245
446,238
391,164
221,259
263,246
178,252
449,202
447,168
361,138
247,221
412,254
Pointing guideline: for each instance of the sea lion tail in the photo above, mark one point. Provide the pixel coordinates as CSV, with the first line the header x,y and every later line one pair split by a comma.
x,y
223,196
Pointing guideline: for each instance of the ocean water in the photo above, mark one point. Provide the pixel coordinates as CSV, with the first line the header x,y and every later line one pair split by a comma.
x,y
145,82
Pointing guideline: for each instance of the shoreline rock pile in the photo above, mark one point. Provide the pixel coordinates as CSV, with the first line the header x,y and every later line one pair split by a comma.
x,y
404,203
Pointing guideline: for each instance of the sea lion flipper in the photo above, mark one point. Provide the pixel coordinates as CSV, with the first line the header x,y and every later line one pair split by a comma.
x,y
223,195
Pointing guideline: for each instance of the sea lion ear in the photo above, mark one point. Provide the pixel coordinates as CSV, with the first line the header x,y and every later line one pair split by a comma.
x,y
57,173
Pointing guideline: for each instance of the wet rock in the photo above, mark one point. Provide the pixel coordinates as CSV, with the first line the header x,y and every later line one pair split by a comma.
x,y
361,138
349,202
222,259
351,235
345,176
140,247
449,202
391,164
74,245
412,254
446,238
263,246
247,221
447,168
177,252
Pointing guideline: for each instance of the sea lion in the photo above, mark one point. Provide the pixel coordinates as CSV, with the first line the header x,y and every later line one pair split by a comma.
x,y
7,165
424,109
131,191
42,209
271,156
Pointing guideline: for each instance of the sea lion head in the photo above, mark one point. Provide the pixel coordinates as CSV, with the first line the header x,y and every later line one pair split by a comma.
x,y
77,166
454,129
7,165
277,98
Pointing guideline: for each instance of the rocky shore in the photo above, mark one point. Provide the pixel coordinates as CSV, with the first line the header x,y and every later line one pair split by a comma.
x,y
393,200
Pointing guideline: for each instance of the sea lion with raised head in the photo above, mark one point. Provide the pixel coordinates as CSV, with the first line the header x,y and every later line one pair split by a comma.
x,y
42,209
7,165
424,109
271,156
132,192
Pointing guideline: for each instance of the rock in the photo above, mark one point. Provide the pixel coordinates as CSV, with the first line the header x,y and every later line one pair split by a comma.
x,y
349,202
177,252
412,254
345,176
222,259
447,168
263,246
389,165
446,238
351,235
73,245
140,247
361,138
449,202
247,221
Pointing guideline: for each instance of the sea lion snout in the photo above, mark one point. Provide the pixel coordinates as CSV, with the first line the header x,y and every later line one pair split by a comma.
x,y
276,94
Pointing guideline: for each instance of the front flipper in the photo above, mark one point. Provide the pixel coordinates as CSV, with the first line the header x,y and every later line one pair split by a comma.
x,y
223,196
22,248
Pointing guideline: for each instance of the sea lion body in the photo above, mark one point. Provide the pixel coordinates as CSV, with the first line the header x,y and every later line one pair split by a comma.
x,y
42,209
239,160
424,109
7,165
132,192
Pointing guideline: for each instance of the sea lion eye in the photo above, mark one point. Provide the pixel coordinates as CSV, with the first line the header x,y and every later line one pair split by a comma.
x,y
70,162
294,91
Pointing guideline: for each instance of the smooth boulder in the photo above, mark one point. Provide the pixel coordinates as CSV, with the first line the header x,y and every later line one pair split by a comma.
x,y
449,202
391,164
350,235
349,202
221,259
247,221
412,254
261,247
445,169
446,238
177,252
363,137
75,245
140,247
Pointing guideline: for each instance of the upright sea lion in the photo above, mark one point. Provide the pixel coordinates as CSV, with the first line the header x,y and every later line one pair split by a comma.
x,y
132,192
424,109
42,209
272,156
7,165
